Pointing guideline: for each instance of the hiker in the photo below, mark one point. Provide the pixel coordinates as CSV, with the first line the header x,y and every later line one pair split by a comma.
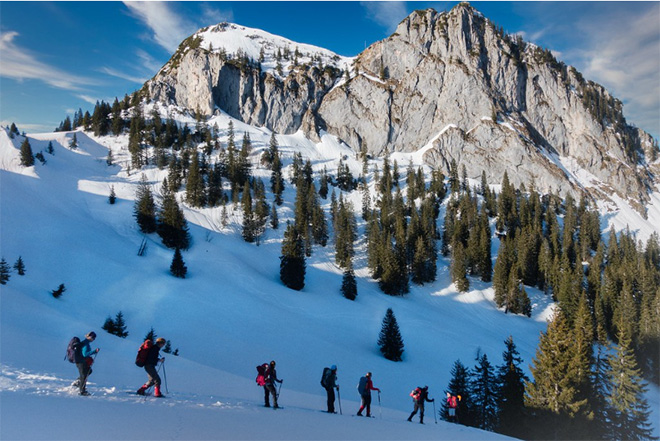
x,y
452,404
329,383
269,387
84,360
365,387
150,366
419,396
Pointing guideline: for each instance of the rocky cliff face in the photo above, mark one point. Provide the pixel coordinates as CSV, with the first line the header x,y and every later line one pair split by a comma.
x,y
498,103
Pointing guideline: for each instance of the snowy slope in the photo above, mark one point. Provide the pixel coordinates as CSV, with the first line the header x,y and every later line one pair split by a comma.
x,y
229,315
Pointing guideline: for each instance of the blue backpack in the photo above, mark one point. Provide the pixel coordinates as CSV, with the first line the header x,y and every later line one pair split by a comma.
x,y
362,386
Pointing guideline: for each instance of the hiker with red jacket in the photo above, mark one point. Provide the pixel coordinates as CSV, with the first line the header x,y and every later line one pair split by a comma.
x,y
153,358
269,387
84,360
364,388
419,396
452,404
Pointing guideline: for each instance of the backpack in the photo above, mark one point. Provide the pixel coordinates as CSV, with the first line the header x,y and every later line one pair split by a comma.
x,y
143,351
416,393
362,386
324,377
72,349
262,372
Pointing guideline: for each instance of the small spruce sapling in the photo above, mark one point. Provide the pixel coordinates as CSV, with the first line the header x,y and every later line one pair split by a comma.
x,y
19,266
57,293
4,272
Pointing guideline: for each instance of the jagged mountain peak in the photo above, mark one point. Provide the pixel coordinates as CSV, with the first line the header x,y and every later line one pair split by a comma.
x,y
451,85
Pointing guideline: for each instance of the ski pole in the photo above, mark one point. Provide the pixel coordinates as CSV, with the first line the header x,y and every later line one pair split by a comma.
x,y
434,414
165,377
279,390
339,397
380,408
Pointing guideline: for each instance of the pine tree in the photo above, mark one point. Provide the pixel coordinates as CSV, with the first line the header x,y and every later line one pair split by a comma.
x,y
483,388
144,210
459,386
19,266
151,335
195,183
57,293
292,260
4,272
274,220
109,325
348,284
389,339
178,267
27,158
458,268
112,198
511,391
49,149
120,325
172,226
629,408
74,142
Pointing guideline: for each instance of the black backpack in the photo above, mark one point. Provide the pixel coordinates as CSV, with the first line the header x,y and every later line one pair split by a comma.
x,y
72,350
324,377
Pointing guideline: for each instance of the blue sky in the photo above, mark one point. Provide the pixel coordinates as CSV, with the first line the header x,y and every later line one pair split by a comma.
x,y
56,57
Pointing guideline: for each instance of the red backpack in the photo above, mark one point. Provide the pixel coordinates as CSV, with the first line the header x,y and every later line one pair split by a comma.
x,y
262,373
142,353
416,393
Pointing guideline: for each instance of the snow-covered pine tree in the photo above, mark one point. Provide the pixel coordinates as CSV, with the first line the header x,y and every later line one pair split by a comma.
x,y
389,339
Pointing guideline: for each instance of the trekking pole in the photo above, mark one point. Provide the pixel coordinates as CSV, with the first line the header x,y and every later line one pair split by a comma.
x,y
380,408
339,398
435,416
278,391
165,377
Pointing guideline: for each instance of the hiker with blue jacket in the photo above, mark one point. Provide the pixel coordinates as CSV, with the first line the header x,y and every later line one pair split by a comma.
x,y
84,360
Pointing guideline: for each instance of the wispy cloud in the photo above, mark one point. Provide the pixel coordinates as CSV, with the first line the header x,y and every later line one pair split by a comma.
x,y
21,64
87,98
626,60
212,15
124,76
168,28
386,14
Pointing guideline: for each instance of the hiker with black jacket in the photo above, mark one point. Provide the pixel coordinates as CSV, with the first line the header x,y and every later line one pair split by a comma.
x,y
153,358
419,396
269,387
84,360
329,383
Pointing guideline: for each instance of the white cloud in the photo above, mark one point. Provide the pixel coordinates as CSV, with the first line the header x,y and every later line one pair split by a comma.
x,y
622,52
115,73
168,28
87,98
386,14
20,64
212,15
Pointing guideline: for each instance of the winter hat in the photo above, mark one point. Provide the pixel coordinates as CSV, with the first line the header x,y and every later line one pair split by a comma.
x,y
92,334
333,367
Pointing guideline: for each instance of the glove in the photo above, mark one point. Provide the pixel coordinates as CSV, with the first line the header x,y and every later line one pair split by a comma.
x,y
97,350
337,387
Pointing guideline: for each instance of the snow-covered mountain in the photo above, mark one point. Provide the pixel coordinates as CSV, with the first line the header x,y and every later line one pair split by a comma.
x,y
232,312
452,81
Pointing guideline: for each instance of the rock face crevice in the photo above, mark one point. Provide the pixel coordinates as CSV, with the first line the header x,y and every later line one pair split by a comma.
x,y
512,106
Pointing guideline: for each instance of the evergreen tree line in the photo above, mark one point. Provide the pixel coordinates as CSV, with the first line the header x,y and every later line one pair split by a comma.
x,y
401,235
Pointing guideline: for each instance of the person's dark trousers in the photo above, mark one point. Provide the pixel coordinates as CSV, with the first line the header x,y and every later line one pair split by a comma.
x,y
154,378
331,399
270,389
366,402
420,407
84,370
